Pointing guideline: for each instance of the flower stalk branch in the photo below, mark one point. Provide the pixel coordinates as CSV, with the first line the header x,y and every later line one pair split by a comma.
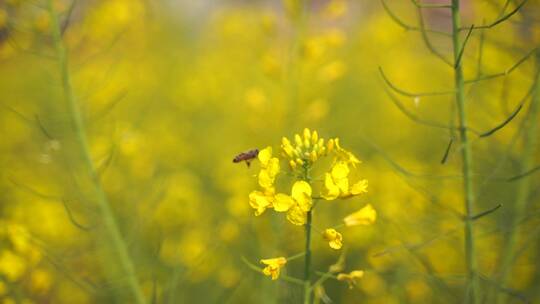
x,y
111,228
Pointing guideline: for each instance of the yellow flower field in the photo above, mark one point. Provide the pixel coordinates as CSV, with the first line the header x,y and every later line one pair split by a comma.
x,y
269,151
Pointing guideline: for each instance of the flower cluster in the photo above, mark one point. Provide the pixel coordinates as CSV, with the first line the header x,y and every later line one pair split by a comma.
x,y
303,157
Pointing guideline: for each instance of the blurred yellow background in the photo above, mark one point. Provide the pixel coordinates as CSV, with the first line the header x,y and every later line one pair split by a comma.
x,y
171,90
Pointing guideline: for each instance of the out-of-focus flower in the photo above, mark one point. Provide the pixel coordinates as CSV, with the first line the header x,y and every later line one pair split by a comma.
x,y
3,18
8,301
255,98
339,265
40,281
273,266
365,216
336,183
335,37
332,71
42,22
345,155
335,9
334,238
293,8
351,278
12,266
3,288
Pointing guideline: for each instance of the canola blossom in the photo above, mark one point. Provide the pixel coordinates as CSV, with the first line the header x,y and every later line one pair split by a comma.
x,y
305,156
334,238
119,120
273,266
351,278
365,216
302,155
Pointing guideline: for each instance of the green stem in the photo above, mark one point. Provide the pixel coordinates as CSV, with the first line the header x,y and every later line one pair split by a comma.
x,y
307,261
472,294
307,265
530,151
111,228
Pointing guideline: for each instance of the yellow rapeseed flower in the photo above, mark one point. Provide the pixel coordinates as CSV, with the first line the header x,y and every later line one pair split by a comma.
x,y
40,281
12,266
335,9
345,155
260,201
351,278
336,183
302,153
273,266
269,168
297,204
365,216
334,238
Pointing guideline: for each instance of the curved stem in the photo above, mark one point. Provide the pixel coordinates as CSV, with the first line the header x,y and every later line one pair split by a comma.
x,y
472,295
110,225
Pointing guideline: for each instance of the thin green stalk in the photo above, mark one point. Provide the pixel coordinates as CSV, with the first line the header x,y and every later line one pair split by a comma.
x,y
110,226
307,265
473,295
307,261
530,150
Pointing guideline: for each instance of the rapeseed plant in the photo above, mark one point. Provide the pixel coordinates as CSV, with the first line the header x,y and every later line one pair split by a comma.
x,y
303,156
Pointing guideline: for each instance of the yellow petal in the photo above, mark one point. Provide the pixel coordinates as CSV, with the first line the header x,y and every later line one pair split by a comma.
x,y
335,244
352,159
343,185
301,193
265,179
330,145
307,134
283,202
313,156
334,238
331,189
292,164
273,167
259,202
350,278
340,170
279,261
357,274
265,155
285,141
314,137
360,187
297,216
298,140
273,266
365,216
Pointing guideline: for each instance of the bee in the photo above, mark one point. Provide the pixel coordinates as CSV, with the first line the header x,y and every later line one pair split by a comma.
x,y
246,156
